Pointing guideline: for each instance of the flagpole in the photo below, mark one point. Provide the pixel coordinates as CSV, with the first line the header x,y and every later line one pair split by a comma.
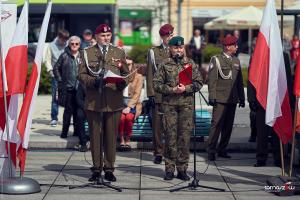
x,y
293,141
281,35
4,86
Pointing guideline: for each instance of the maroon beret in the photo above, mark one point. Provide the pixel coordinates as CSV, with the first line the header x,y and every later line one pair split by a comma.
x,y
229,40
166,29
102,28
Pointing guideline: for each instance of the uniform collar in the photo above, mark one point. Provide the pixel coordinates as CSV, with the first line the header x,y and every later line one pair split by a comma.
x,y
226,55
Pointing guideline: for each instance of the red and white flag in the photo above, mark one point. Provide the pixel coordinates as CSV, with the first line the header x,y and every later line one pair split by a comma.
x,y
267,74
25,117
8,13
16,66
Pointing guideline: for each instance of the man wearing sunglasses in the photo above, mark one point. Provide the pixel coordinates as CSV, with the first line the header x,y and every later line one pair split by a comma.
x,y
65,72
103,101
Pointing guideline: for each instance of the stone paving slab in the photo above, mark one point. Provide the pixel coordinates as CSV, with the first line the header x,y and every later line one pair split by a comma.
x,y
56,170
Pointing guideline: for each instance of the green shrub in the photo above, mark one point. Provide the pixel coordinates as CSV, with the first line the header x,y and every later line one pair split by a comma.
x,y
209,51
139,53
45,80
245,75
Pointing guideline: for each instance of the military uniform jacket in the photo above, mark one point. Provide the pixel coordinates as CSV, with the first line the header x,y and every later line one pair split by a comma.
x,y
223,89
159,55
111,98
166,78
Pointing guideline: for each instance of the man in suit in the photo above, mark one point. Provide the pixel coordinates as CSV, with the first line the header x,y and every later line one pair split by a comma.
x,y
155,56
104,101
225,87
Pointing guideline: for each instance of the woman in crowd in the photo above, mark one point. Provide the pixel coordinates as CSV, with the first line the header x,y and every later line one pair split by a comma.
x,y
65,72
133,108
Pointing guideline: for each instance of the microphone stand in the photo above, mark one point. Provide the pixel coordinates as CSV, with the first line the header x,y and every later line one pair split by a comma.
x,y
195,182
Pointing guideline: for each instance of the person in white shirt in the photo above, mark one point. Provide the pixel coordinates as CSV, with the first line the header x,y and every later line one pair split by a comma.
x,y
196,46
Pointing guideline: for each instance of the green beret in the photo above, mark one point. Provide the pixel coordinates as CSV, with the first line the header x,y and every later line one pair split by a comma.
x,y
176,41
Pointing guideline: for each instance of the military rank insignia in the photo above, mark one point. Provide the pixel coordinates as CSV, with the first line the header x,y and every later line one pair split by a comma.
x,y
118,62
236,66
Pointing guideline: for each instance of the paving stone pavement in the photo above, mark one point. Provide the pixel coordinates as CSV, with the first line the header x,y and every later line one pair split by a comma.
x,y
141,179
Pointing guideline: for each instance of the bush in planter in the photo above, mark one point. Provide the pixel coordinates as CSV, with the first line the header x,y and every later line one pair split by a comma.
x,y
139,53
209,51
45,79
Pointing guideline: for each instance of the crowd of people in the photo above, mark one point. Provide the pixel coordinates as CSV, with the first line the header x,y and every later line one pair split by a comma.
x,y
78,68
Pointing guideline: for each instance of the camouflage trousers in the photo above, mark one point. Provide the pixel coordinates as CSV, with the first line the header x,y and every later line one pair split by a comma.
x,y
177,125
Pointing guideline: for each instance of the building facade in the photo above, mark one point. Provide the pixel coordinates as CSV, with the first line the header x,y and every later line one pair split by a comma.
x,y
140,20
195,13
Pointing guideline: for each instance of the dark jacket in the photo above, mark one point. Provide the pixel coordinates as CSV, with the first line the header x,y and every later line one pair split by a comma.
x,y
66,70
80,96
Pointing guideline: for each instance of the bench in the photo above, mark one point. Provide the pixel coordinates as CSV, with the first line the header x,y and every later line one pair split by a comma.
x,y
142,129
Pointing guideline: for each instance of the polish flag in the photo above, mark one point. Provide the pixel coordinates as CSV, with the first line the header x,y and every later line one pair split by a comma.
x,y
297,94
25,117
267,74
16,66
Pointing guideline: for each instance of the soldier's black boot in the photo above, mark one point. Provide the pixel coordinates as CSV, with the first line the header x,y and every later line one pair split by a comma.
x,y
95,177
110,176
169,176
182,175
157,160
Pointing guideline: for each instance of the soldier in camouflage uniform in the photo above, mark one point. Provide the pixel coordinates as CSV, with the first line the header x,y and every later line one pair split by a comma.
x,y
155,56
225,87
177,107
104,101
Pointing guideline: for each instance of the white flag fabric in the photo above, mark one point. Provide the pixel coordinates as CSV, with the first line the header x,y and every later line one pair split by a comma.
x,y
267,74
25,117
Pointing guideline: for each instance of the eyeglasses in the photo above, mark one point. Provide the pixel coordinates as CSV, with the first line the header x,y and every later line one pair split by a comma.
x,y
74,44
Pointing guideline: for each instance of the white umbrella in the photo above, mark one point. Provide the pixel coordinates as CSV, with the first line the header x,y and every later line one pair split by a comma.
x,y
245,18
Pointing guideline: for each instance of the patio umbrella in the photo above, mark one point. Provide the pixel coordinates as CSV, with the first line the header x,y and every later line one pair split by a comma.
x,y
245,18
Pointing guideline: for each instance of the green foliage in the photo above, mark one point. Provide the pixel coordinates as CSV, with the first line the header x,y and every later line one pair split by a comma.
x,y
45,79
209,51
139,53
245,75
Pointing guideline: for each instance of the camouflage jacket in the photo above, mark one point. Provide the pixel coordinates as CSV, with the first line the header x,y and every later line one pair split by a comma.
x,y
166,78
159,54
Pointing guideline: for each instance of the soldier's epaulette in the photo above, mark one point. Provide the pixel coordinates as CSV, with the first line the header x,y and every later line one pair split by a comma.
x,y
88,47
155,47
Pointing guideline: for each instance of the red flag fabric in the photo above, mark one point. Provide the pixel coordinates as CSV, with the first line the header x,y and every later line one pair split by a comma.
x,y
25,117
16,66
267,74
297,79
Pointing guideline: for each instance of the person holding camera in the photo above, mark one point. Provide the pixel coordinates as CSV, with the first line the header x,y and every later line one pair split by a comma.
x,y
226,89
155,56
103,101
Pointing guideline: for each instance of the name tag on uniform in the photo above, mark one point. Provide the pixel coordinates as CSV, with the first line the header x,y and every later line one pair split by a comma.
x,y
237,66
